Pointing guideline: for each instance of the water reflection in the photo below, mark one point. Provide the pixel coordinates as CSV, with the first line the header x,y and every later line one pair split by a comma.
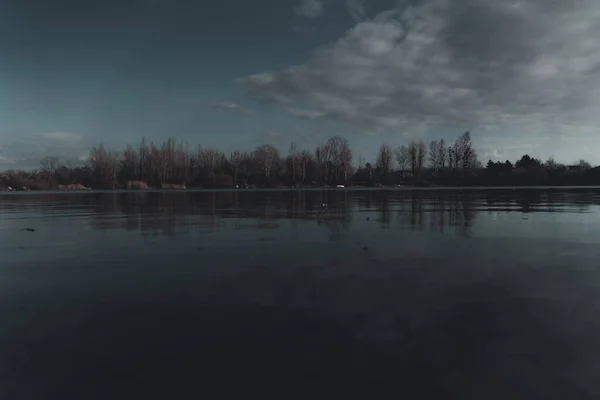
x,y
173,213
453,299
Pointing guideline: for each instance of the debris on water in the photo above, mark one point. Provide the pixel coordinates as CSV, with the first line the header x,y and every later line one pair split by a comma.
x,y
368,218
28,229
366,248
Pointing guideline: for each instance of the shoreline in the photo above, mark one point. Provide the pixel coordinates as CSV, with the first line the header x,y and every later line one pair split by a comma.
x,y
316,188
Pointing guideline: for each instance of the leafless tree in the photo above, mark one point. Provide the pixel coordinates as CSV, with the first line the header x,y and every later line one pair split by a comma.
x,y
236,159
442,154
346,162
384,160
412,156
421,155
434,160
49,167
104,166
551,164
467,155
144,168
49,164
208,162
338,151
323,157
157,169
417,152
462,155
266,156
451,157
402,158
182,164
584,165
294,158
306,159
129,164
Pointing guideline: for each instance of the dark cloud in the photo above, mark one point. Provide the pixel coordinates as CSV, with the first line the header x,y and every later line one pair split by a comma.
x,y
533,66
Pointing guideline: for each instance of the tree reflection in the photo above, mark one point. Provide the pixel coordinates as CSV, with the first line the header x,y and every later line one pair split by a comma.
x,y
172,213
336,211
436,211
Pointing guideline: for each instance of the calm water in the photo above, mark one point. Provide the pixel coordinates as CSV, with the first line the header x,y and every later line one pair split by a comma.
x,y
301,295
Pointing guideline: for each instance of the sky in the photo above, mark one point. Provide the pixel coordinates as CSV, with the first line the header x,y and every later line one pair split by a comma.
x,y
521,76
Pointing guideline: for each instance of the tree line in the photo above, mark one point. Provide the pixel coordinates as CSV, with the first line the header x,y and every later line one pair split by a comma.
x,y
173,165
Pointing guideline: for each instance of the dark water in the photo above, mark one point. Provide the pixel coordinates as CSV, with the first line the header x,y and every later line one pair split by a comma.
x,y
301,295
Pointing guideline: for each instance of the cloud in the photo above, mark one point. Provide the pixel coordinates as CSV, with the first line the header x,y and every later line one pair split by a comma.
x,y
272,133
4,161
521,66
315,8
26,151
309,8
67,138
356,9
306,114
229,106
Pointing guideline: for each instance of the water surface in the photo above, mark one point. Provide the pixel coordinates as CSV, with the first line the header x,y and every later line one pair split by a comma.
x,y
462,294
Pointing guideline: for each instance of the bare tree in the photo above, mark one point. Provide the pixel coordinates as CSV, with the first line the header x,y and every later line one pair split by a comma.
x,y
144,161
236,159
417,151
305,159
384,160
208,162
467,155
402,158
157,167
421,155
323,157
182,161
293,154
266,156
49,164
412,156
456,155
462,155
346,162
129,165
338,151
434,159
103,165
583,165
551,164
442,154
451,157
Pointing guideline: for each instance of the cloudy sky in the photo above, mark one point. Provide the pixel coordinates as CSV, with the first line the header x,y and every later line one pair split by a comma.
x,y
522,75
